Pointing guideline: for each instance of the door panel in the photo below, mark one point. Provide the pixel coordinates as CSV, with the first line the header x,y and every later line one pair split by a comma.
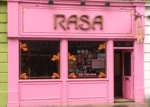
x,y
127,74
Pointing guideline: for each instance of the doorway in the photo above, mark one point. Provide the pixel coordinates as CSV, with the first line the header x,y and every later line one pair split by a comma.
x,y
123,77
117,74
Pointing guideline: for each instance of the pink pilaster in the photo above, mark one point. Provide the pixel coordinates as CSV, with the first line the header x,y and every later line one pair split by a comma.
x,y
110,70
13,55
64,68
138,73
13,19
139,61
13,74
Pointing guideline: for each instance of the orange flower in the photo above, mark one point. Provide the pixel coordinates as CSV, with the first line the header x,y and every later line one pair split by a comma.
x,y
55,75
25,49
72,75
102,75
57,57
23,76
23,46
102,46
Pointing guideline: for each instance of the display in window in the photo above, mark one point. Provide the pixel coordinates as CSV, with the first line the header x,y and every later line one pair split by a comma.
x,y
90,59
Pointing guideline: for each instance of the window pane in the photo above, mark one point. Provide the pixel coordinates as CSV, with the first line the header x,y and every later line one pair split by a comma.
x,y
127,64
87,59
123,43
36,59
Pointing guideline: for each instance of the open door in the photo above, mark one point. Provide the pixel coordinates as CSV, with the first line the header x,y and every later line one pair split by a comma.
x,y
127,79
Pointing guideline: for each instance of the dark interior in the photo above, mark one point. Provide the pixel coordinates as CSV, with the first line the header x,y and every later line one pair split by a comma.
x,y
118,73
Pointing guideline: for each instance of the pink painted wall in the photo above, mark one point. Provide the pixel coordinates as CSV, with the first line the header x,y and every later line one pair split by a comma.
x,y
35,21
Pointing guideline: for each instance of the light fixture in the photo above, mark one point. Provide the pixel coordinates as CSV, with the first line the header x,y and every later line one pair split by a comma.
x,y
82,3
50,2
107,3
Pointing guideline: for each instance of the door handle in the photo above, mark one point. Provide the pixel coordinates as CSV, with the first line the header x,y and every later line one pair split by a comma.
x,y
126,78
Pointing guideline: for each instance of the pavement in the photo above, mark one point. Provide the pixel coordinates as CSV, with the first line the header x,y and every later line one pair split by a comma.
x,y
127,104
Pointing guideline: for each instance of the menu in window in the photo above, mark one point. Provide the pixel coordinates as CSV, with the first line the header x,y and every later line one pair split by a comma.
x,y
98,63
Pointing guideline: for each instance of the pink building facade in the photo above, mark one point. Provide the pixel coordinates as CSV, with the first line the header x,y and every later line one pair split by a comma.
x,y
69,54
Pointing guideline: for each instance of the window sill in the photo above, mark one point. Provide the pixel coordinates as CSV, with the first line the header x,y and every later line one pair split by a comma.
x,y
40,80
88,79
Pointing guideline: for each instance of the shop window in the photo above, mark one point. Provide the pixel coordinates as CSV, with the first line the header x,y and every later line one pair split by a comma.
x,y
86,59
39,59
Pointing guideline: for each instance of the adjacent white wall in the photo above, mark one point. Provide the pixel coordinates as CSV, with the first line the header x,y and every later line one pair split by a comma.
x,y
147,54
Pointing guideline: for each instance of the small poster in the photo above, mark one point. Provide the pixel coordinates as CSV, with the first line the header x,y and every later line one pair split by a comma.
x,y
98,63
101,56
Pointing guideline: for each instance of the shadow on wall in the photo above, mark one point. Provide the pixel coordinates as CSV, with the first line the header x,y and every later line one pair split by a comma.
x,y
148,99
